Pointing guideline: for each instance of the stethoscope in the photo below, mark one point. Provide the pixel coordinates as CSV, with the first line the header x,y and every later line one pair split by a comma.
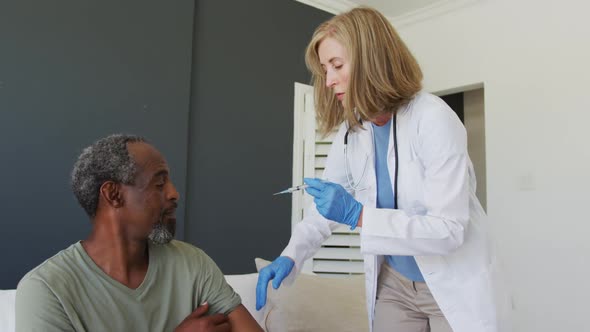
x,y
349,178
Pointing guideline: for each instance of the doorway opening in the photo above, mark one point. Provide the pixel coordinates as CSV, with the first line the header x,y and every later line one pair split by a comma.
x,y
468,103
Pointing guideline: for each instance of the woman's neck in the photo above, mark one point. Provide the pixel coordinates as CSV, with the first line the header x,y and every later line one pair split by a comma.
x,y
382,119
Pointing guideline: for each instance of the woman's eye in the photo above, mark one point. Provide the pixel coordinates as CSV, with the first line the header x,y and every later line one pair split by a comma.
x,y
338,66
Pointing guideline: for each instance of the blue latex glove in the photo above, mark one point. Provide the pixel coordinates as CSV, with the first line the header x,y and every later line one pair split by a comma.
x,y
334,202
278,270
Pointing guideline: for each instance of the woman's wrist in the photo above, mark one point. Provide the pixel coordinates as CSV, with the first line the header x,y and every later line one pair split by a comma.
x,y
359,223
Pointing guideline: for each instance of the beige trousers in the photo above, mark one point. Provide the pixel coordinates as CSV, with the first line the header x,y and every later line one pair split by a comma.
x,y
403,305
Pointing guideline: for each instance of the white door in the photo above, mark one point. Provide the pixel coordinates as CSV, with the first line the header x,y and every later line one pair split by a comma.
x,y
340,254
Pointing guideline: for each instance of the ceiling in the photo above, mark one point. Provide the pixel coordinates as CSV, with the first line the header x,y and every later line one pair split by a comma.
x,y
393,9
396,8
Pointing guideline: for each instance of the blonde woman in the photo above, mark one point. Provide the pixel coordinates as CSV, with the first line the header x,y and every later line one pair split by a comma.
x,y
398,169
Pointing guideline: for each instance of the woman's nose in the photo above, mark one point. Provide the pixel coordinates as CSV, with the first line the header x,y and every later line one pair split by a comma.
x,y
330,80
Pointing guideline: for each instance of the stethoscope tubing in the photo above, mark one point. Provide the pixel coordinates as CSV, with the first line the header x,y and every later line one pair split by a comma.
x,y
396,161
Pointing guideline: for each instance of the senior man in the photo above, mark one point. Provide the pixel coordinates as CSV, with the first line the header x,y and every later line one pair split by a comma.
x,y
129,274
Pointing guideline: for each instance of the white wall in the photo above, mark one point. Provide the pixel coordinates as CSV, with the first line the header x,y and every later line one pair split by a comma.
x,y
533,59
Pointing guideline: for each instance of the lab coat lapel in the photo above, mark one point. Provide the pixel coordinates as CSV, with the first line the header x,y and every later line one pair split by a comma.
x,y
364,152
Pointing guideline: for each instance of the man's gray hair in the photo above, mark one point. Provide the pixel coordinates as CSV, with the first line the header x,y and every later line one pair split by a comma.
x,y
106,160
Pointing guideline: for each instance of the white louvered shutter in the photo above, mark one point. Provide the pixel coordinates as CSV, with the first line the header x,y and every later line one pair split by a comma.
x,y
339,255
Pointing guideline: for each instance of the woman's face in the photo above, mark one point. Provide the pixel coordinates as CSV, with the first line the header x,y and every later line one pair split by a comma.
x,y
335,62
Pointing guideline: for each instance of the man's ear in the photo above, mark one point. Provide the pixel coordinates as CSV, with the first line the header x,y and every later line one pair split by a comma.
x,y
111,193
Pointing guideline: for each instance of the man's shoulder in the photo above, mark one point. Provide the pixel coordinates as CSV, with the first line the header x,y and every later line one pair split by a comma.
x,y
181,256
183,247
56,269
179,249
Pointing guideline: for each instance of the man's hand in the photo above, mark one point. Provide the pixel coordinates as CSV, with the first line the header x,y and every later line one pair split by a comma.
x,y
198,322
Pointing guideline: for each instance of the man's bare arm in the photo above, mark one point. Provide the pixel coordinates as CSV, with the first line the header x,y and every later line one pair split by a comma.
x,y
241,320
198,321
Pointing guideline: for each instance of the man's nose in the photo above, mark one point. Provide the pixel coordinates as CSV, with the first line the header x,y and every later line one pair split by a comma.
x,y
173,193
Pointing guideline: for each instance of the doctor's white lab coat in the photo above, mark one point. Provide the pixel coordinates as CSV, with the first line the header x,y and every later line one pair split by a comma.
x,y
438,219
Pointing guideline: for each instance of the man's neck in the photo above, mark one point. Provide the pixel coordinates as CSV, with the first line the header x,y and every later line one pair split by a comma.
x,y
124,260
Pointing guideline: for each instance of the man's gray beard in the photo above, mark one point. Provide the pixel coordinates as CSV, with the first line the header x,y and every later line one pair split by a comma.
x,y
160,234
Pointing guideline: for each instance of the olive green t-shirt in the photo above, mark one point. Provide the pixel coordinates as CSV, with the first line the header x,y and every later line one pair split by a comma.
x,y
69,292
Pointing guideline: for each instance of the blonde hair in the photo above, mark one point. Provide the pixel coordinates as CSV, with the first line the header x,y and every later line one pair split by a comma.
x,y
384,75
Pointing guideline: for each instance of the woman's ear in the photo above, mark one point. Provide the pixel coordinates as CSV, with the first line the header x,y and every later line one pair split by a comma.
x,y
111,194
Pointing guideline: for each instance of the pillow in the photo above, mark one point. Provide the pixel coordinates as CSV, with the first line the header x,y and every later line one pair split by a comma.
x,y
7,310
245,286
314,303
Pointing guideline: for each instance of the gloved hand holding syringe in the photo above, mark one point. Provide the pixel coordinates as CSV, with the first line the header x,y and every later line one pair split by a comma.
x,y
292,189
332,201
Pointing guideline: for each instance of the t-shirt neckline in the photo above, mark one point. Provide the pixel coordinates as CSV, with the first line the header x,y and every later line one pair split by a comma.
x,y
137,291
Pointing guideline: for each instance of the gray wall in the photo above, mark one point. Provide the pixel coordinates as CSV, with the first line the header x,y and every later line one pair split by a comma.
x,y
246,60
74,71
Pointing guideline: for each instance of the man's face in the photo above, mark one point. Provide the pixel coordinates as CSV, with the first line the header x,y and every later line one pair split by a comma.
x,y
150,204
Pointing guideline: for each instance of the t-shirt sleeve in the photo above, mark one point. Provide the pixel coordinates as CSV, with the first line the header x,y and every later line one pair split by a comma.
x,y
38,309
214,289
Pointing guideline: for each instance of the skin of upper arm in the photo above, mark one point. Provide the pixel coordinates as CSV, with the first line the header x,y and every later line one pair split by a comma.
x,y
241,320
